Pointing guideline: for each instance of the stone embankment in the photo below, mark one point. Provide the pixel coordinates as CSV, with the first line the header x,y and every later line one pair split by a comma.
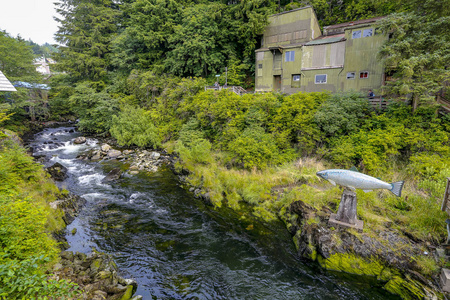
x,y
97,276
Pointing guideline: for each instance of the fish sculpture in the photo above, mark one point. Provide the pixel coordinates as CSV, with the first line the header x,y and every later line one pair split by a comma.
x,y
353,179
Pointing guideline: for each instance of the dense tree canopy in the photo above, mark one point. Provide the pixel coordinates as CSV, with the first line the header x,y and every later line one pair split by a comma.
x,y
418,52
16,58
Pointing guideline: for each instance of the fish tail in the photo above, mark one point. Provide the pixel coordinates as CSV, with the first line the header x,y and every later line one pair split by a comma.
x,y
397,188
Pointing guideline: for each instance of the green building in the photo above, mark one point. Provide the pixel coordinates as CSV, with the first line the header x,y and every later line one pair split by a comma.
x,y
295,55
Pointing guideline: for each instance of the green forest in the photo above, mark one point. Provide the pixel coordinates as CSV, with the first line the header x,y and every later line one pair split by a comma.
x,y
136,70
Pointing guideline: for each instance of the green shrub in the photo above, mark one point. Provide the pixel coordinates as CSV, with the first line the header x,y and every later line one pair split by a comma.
x,y
25,279
133,126
342,114
23,231
254,148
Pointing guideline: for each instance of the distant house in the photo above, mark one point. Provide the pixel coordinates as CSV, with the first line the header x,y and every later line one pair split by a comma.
x,y
5,85
43,65
295,55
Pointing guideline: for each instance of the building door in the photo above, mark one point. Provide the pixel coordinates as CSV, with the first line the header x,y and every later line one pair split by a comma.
x,y
277,82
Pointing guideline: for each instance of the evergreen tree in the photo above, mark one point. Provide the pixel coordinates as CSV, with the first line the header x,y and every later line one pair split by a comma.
x,y
86,30
16,58
418,50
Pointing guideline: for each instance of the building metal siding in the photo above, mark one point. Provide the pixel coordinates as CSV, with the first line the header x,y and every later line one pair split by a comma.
x,y
334,54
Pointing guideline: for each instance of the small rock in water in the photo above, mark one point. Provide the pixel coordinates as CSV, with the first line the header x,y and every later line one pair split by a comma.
x,y
114,174
74,231
155,155
79,140
105,147
57,171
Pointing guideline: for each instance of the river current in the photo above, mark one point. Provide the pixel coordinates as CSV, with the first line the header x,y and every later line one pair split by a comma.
x,y
175,246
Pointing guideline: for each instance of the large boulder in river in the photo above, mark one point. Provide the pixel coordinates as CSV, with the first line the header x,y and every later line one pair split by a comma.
x,y
114,174
114,153
57,171
79,140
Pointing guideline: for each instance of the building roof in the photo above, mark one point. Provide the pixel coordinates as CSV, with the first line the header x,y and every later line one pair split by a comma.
x,y
290,11
5,85
327,39
353,23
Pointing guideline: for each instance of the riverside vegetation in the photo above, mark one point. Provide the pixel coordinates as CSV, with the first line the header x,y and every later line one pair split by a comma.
x,y
257,154
26,223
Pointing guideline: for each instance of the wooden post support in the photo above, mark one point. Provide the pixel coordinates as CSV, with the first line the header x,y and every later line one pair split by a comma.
x,y
346,215
446,196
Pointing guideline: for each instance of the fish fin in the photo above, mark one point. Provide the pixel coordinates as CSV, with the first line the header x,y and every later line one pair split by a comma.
x,y
367,191
354,169
397,188
332,182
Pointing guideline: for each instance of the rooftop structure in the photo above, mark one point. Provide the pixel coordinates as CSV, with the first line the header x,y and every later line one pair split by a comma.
x,y
5,85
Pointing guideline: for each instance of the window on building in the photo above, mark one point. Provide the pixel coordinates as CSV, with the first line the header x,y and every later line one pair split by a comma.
x,y
351,75
289,56
321,79
367,32
260,70
364,74
295,83
259,56
356,34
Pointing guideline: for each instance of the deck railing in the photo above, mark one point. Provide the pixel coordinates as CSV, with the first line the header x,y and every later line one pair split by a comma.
x,y
378,102
238,90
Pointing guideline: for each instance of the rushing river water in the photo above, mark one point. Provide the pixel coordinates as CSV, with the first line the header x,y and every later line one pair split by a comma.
x,y
175,247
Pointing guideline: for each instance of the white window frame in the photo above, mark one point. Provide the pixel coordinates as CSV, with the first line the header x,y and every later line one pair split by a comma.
x,y
367,32
296,77
353,73
356,34
315,79
289,56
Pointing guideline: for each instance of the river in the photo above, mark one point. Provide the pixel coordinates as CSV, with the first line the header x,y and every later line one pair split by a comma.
x,y
175,246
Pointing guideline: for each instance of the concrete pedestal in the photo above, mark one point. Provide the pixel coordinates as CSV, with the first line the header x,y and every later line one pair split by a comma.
x,y
445,280
346,215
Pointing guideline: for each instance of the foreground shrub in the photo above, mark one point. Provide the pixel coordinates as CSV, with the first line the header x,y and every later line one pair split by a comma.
x,y
24,279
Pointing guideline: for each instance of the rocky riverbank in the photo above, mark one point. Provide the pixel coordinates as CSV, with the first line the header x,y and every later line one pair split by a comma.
x,y
139,160
97,276
398,263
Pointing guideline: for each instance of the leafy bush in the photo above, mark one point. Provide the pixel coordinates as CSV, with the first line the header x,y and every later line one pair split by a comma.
x,y
23,231
133,126
24,279
254,148
342,114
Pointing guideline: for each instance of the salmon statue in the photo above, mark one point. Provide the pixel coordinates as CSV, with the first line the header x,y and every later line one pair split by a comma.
x,y
353,179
